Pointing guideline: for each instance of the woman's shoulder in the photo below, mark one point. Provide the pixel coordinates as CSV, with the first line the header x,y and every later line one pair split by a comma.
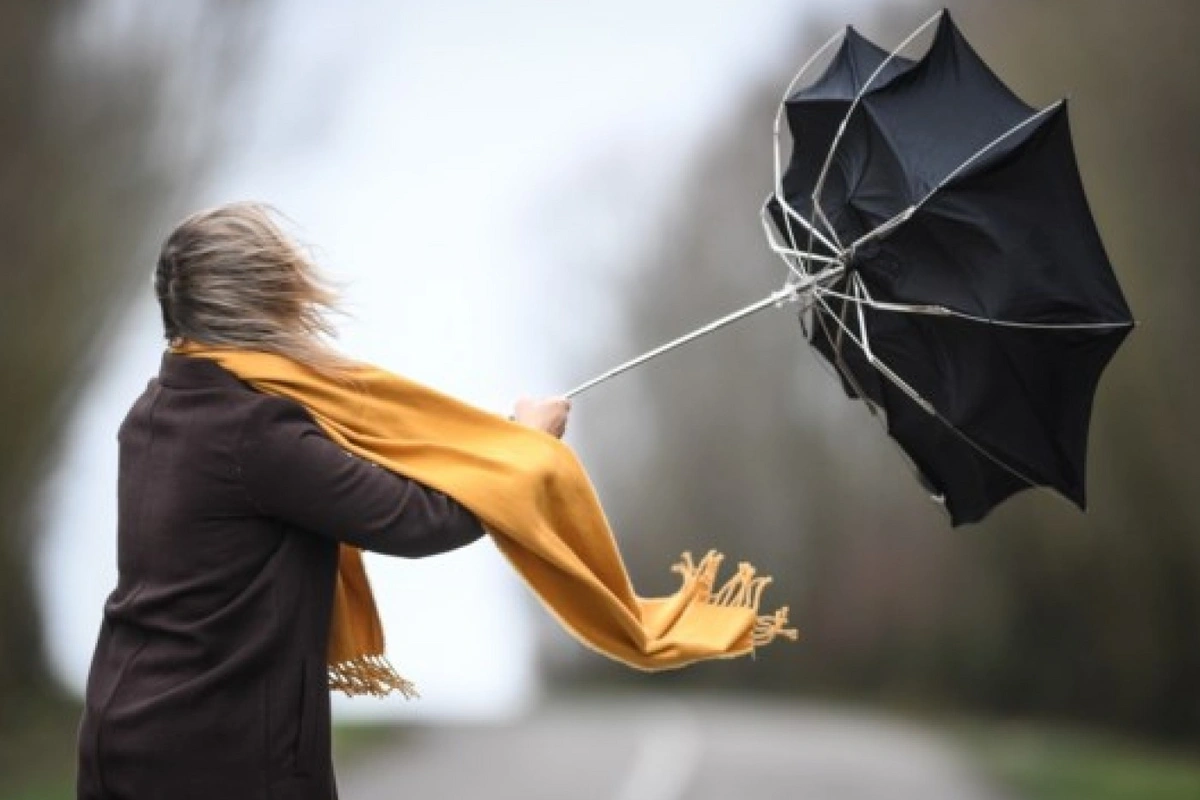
x,y
268,416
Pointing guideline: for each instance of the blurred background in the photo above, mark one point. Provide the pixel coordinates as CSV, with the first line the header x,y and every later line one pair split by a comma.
x,y
533,191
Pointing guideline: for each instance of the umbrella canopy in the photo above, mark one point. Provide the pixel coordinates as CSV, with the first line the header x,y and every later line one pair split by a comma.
x,y
965,293
814,116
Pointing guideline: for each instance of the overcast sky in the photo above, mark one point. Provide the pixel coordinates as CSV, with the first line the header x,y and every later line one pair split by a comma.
x,y
432,152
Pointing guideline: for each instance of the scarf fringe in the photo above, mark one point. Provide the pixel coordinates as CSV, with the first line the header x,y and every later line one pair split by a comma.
x,y
369,674
743,590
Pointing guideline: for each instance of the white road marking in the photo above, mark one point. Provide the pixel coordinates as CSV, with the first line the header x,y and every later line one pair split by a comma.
x,y
666,760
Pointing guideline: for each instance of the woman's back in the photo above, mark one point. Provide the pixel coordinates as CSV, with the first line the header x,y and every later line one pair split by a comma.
x,y
209,677
211,653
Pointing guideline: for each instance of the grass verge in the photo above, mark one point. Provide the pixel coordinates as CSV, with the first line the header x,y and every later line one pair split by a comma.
x,y
1043,763
37,750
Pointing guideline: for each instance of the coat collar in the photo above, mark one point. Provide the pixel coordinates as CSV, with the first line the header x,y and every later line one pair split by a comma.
x,y
179,371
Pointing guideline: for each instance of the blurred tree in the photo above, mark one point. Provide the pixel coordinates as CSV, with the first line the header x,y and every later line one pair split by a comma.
x,y
748,446
111,114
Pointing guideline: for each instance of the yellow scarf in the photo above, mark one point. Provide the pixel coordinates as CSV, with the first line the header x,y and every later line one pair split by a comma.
x,y
533,497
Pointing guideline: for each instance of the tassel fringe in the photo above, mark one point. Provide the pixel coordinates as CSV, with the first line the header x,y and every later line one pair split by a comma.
x,y
743,590
369,674
375,675
768,626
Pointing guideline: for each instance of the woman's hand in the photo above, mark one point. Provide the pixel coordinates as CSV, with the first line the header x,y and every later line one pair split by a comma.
x,y
547,414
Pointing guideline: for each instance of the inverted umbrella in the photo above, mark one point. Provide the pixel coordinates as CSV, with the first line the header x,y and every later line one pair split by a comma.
x,y
937,235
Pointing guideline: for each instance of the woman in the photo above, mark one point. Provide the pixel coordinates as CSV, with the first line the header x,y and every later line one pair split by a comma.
x,y
209,677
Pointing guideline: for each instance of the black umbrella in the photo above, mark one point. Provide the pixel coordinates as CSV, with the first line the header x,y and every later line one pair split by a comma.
x,y
972,300
937,232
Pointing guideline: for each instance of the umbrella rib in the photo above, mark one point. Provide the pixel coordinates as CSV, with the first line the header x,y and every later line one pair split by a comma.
x,y
782,104
819,215
842,366
883,368
783,251
837,138
905,215
798,269
916,397
820,184
862,321
943,311
983,150
841,369
870,404
791,213
780,249
1050,326
787,217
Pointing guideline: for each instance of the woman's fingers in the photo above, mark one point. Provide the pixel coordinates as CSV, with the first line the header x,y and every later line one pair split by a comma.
x,y
548,414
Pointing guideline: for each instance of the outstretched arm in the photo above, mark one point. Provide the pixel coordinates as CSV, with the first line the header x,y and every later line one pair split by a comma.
x,y
294,472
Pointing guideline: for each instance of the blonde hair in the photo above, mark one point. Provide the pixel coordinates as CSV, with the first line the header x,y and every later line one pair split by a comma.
x,y
231,276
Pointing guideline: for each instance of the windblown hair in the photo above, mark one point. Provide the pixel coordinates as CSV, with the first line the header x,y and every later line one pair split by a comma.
x,y
231,276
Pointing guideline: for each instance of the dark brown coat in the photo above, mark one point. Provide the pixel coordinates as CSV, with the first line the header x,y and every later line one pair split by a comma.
x,y
208,679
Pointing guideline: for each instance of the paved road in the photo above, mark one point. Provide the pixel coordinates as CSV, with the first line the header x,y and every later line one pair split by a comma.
x,y
652,749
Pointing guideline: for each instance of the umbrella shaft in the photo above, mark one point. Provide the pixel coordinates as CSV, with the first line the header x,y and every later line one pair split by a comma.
x,y
784,295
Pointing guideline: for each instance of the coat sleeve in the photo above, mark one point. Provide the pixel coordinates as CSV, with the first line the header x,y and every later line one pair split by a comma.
x,y
294,472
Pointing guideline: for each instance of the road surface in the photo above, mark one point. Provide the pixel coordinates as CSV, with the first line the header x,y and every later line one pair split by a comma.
x,y
653,749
